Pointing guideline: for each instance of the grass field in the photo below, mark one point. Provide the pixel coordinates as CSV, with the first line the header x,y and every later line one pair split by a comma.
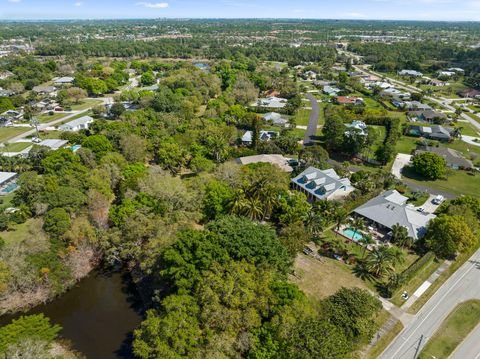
x,y
420,276
45,118
20,232
86,104
8,132
302,117
457,182
321,279
15,147
454,329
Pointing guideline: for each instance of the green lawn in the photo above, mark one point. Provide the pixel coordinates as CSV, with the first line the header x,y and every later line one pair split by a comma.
x,y
45,118
86,104
20,232
15,147
454,329
457,182
302,117
8,132
411,286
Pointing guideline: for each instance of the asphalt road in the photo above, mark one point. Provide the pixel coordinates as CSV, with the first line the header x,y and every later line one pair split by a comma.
x,y
470,348
313,122
463,285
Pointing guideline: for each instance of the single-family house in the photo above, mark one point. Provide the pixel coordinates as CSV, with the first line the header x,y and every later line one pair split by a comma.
x,y
457,70
44,90
5,93
277,160
310,75
436,132
390,208
331,91
247,138
271,102
6,74
453,158
53,144
66,80
412,73
430,116
81,123
349,100
7,182
411,105
396,94
446,73
359,126
469,93
322,184
276,119
438,83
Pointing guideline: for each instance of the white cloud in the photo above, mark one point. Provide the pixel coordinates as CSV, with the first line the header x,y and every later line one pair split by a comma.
x,y
79,3
153,5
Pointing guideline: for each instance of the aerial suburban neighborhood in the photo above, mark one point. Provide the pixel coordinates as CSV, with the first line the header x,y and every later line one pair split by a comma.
x,y
240,179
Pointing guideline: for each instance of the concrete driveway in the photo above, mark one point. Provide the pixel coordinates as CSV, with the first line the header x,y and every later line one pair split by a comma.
x,y
429,206
401,161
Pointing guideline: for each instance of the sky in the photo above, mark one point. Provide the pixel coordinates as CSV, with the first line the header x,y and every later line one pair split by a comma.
x,y
445,10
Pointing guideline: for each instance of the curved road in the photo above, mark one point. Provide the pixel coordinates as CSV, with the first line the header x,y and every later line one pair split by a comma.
x,y
313,122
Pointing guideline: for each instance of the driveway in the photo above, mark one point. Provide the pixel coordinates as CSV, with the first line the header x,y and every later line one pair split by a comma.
x,y
463,285
313,122
471,140
429,206
401,161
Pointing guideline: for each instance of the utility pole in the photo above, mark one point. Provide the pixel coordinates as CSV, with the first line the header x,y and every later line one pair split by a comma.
x,y
418,347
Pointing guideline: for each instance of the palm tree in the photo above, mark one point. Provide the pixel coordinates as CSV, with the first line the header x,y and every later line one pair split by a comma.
x,y
400,235
366,240
357,225
379,262
398,255
340,217
314,223
253,209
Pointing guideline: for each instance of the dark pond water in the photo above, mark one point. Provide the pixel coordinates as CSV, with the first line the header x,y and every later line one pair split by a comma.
x,y
97,316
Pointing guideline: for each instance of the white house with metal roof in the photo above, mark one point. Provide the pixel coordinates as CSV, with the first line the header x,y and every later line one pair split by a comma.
x,y
81,123
276,118
322,184
391,208
271,102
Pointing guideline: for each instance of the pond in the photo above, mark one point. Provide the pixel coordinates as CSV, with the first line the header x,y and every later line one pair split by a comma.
x,y
97,316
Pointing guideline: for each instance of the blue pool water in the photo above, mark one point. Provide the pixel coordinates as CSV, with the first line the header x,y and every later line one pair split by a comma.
x,y
350,233
75,148
10,187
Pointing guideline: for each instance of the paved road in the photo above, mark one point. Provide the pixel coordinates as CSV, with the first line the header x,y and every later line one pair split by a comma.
x,y
106,100
470,348
313,122
463,285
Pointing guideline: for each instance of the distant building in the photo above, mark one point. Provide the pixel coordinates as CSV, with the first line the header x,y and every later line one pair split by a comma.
x,y
349,100
277,160
453,158
411,105
410,73
396,94
436,132
322,184
331,91
446,73
63,80
276,118
429,116
469,93
360,126
391,208
6,74
53,144
247,138
5,93
438,83
271,102
457,70
44,90
81,123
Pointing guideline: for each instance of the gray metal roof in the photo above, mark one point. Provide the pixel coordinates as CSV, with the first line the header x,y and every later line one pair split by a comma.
x,y
322,184
391,208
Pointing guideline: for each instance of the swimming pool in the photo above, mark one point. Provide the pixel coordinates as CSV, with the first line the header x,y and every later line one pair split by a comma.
x,y
350,233
10,187
75,148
